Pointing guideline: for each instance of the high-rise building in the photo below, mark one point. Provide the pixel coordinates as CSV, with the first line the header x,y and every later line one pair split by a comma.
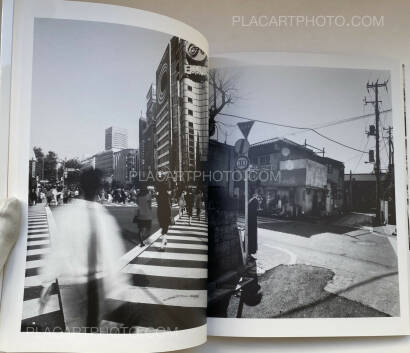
x,y
116,138
181,109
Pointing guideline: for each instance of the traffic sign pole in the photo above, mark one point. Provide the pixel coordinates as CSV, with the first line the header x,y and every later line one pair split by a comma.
x,y
246,212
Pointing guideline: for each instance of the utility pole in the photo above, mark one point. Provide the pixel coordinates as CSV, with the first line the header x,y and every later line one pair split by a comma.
x,y
375,87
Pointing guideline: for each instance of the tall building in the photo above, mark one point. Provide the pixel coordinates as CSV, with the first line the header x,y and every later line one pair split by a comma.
x,y
125,166
116,138
181,109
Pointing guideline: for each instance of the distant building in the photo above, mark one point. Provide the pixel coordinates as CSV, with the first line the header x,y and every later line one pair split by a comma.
x,y
116,138
126,166
105,162
294,180
88,162
181,108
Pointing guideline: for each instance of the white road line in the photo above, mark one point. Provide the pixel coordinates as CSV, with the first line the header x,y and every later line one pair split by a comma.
x,y
162,296
166,271
35,236
181,237
33,281
35,264
188,231
37,226
42,251
173,256
292,256
181,246
38,242
31,307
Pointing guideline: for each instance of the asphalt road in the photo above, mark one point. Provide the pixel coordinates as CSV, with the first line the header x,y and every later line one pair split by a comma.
x,y
318,270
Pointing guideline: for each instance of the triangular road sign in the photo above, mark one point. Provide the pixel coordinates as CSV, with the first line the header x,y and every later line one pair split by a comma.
x,y
245,127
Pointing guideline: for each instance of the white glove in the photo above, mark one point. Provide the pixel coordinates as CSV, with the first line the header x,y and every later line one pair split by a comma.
x,y
10,223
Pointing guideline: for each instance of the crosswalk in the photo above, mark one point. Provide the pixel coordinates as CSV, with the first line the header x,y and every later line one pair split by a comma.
x,y
38,245
169,287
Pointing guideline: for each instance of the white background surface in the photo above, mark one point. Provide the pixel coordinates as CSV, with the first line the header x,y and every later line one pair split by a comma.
x,y
214,19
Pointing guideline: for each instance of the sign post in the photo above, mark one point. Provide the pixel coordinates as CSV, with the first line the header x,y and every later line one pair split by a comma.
x,y
242,148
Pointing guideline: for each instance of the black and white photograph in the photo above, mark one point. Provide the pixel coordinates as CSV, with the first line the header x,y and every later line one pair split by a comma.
x,y
117,230
302,212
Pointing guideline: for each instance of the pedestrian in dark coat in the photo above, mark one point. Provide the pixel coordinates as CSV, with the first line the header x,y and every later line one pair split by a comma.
x,y
164,213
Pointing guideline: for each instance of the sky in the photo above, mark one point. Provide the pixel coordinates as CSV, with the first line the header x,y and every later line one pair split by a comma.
x,y
309,97
88,76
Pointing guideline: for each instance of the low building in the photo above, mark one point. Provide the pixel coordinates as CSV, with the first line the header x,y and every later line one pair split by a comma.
x,y
360,195
294,180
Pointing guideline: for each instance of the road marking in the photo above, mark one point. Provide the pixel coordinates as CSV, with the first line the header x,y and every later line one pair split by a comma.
x,y
31,307
173,256
187,238
181,246
34,236
176,231
38,242
166,271
35,264
292,255
42,251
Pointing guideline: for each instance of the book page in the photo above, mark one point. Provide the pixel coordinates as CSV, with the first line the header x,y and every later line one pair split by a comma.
x,y
307,199
108,135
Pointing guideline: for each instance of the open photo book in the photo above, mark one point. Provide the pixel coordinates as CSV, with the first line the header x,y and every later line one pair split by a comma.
x,y
170,193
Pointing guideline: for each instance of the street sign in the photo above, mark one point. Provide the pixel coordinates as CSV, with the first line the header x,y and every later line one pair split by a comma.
x,y
241,146
245,127
242,163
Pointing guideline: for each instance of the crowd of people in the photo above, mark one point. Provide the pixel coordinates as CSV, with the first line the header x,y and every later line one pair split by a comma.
x,y
187,198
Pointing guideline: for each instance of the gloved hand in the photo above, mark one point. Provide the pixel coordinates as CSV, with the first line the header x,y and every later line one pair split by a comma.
x,y
10,223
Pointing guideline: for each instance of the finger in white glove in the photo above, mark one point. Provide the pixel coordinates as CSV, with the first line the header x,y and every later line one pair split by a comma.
x,y
10,223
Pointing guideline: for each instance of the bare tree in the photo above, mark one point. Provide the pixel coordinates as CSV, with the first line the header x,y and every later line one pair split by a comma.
x,y
222,92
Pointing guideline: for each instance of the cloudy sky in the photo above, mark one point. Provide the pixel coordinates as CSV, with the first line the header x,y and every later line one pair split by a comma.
x,y
308,97
88,76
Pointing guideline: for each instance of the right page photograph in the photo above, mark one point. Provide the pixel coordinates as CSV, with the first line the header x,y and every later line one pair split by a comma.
x,y
307,197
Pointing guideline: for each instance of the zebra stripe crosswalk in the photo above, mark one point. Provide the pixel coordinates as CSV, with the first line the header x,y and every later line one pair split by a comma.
x,y
38,244
170,282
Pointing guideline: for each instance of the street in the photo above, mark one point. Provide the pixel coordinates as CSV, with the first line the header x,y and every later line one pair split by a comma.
x,y
323,270
167,288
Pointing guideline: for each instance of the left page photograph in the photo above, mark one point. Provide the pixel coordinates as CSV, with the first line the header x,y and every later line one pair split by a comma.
x,y
108,140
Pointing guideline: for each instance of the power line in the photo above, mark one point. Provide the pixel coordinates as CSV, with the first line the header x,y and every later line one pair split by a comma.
x,y
295,127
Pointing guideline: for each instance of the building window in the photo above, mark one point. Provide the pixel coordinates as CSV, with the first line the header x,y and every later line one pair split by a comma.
x,y
189,88
264,160
330,168
190,112
190,124
189,100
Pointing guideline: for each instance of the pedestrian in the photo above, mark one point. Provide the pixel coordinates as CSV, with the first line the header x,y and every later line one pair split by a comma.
x,y
198,203
84,257
163,212
181,203
189,205
144,214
